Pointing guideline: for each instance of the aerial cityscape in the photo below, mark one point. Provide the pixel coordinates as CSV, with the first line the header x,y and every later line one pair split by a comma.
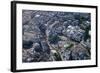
x,y
55,36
